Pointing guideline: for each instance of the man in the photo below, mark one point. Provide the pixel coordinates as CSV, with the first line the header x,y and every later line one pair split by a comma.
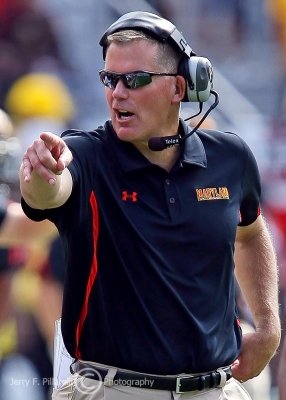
x,y
149,300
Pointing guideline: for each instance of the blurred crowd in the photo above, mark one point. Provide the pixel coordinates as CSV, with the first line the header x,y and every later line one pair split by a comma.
x,y
39,90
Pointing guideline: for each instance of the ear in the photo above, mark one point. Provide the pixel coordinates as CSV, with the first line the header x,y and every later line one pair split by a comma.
x,y
180,88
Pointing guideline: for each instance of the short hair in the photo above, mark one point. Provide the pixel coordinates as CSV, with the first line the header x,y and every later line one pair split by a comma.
x,y
167,55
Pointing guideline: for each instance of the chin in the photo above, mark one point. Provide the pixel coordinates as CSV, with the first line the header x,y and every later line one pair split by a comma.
x,y
125,134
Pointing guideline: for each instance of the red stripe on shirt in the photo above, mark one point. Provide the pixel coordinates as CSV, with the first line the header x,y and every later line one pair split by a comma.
x,y
92,275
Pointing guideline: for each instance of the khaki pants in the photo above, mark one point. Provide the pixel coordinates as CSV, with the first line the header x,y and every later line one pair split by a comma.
x,y
83,388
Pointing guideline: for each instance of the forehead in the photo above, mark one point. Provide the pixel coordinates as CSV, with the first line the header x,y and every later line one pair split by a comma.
x,y
136,54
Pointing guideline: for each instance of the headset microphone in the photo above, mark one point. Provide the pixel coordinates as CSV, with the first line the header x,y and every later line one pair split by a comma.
x,y
163,142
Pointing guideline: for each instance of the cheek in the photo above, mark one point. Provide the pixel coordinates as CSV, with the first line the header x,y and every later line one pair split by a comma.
x,y
159,101
159,98
150,109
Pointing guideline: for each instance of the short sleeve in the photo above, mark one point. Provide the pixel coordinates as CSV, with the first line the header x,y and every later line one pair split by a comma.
x,y
251,190
33,213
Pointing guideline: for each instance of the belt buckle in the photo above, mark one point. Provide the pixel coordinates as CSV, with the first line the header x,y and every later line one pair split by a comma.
x,y
178,382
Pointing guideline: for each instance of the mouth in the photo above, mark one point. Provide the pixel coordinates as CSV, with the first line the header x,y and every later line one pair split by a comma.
x,y
123,115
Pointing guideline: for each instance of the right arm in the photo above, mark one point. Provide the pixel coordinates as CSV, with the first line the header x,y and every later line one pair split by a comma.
x,y
45,180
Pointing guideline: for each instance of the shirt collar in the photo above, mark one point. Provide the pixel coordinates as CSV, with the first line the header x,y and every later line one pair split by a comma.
x,y
193,148
193,152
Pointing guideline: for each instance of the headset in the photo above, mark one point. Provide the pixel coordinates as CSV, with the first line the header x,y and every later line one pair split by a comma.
x,y
197,71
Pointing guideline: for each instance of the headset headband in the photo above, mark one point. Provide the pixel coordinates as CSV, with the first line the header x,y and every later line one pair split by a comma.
x,y
160,28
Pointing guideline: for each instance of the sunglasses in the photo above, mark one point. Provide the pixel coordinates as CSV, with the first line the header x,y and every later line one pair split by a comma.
x,y
131,80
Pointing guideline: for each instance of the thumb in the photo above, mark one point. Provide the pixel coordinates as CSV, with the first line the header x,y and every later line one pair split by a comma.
x,y
64,158
235,368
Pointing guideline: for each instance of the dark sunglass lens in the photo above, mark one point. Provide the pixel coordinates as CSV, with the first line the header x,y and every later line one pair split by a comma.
x,y
133,80
108,79
137,79
102,76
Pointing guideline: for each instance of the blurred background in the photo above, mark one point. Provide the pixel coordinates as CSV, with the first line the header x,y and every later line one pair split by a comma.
x,y
49,62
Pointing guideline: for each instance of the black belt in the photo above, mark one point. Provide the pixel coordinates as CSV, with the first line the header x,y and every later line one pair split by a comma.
x,y
179,384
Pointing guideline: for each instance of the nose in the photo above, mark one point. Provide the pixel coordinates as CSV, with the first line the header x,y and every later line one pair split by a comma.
x,y
120,90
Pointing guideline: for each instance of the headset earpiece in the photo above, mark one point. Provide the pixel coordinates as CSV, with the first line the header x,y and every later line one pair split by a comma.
x,y
197,71
198,74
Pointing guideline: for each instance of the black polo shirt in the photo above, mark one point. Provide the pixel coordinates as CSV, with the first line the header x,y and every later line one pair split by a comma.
x,y
149,284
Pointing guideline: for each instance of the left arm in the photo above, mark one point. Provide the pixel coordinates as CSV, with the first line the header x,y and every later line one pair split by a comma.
x,y
256,273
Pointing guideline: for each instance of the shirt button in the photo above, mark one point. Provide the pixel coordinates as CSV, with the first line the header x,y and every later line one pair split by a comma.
x,y
167,181
172,200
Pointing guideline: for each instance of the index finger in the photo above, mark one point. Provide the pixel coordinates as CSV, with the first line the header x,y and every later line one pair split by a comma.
x,y
51,140
58,148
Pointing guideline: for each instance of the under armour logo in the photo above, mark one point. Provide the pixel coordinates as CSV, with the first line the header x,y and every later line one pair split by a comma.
x,y
129,196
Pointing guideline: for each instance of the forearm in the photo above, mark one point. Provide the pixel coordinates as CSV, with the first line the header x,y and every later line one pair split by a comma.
x,y
45,180
257,275
39,193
